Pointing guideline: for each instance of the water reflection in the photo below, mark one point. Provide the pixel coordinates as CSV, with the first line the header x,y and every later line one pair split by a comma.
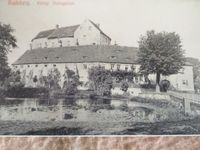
x,y
53,109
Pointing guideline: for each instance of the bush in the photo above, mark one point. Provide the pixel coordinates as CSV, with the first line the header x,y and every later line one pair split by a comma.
x,y
18,91
123,107
124,86
101,80
2,93
71,88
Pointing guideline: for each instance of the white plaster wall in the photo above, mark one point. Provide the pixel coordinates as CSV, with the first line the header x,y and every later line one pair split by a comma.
x,y
87,36
67,41
176,80
104,40
39,43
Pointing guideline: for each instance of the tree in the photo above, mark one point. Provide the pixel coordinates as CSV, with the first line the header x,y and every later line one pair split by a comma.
x,y
160,54
53,78
7,41
71,82
101,79
124,86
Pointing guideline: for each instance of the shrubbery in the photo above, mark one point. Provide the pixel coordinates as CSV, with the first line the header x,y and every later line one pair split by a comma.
x,y
71,82
19,91
101,80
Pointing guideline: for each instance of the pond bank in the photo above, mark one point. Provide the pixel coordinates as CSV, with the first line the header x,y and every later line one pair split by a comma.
x,y
100,128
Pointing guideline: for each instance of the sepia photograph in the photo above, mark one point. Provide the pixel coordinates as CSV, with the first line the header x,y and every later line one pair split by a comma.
x,y
99,67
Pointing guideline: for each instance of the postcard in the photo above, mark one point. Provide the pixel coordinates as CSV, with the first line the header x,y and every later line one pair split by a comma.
x,y
98,67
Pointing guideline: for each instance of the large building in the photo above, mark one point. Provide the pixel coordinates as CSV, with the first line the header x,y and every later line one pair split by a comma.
x,y
87,33
93,49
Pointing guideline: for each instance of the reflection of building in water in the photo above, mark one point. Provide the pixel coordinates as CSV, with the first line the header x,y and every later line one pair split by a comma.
x,y
81,47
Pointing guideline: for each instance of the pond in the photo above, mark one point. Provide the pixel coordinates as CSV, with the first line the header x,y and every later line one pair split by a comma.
x,y
87,116
60,109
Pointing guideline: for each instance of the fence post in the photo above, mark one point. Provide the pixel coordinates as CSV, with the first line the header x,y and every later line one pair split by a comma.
x,y
187,106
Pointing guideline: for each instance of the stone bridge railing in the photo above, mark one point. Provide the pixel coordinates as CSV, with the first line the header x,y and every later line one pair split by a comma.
x,y
187,98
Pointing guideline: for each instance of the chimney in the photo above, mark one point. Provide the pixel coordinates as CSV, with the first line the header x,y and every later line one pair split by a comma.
x,y
57,26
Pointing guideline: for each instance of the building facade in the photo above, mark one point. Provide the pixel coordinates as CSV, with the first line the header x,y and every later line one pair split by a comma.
x,y
81,47
87,33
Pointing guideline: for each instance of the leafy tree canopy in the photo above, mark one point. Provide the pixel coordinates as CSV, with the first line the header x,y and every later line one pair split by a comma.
x,y
7,41
160,53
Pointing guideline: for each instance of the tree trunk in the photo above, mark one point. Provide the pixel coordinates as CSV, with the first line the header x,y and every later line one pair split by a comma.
x,y
157,82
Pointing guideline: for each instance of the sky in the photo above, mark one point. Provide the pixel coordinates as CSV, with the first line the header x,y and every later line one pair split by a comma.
x,y
123,20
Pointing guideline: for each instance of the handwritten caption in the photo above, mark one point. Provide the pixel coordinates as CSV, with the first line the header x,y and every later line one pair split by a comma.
x,y
41,2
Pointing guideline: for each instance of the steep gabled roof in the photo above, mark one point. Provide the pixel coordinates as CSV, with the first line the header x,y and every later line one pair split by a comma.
x,y
80,54
99,29
64,32
43,34
57,33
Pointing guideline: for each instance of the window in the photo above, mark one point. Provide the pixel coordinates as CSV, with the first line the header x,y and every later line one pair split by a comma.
x,y
118,66
85,66
28,66
54,65
185,82
36,65
45,58
133,68
57,57
112,66
45,65
46,44
126,68
60,42
21,66
68,43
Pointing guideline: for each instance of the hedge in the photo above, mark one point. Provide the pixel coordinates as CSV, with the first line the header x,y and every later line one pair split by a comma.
x,y
27,92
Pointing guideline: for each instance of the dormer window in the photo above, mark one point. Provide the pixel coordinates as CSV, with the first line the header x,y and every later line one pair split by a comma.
x,y
112,57
45,58
128,58
84,57
57,57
